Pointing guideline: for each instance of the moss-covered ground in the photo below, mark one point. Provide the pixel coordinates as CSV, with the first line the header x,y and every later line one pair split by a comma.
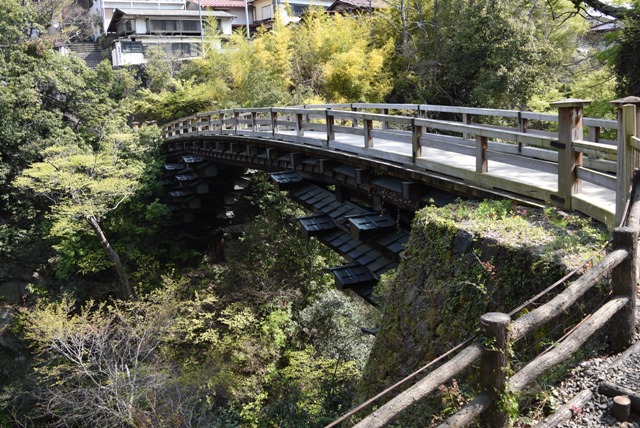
x,y
463,260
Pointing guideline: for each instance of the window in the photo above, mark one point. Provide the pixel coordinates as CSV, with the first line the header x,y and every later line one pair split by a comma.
x,y
162,26
125,26
190,26
266,12
298,9
131,47
184,50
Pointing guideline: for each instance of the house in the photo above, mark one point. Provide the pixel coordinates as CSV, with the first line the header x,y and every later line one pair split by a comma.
x,y
177,31
290,11
355,6
130,27
241,10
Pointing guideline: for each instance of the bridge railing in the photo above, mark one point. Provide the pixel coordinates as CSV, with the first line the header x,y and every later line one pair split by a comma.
x,y
522,120
403,139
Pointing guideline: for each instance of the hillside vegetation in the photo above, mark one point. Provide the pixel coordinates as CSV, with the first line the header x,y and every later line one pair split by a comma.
x,y
108,321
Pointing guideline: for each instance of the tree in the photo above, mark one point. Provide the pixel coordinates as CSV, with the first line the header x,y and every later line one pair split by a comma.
x,y
103,364
624,47
43,97
85,182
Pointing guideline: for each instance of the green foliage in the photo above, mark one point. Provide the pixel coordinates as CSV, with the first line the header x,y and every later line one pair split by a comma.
x,y
84,180
490,54
100,365
119,83
309,390
326,58
627,64
269,242
333,324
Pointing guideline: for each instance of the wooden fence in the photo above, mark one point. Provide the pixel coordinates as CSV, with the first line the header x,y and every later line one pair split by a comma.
x,y
501,332
405,140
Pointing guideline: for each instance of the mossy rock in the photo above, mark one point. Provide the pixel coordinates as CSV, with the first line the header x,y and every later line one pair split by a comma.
x,y
462,261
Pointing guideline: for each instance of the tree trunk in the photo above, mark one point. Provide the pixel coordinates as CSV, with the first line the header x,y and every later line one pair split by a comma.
x,y
607,9
125,288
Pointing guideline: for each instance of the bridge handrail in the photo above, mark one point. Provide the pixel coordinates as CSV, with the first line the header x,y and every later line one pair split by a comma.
x,y
520,147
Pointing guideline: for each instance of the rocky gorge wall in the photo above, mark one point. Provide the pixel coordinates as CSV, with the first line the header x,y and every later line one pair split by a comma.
x,y
462,261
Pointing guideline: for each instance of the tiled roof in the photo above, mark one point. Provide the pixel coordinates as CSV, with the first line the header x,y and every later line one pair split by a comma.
x,y
361,4
221,4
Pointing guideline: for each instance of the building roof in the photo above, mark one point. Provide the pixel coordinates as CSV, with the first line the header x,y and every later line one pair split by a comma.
x,y
223,4
356,4
118,14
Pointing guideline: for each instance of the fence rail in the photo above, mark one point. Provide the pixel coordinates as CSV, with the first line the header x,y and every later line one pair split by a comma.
x,y
621,264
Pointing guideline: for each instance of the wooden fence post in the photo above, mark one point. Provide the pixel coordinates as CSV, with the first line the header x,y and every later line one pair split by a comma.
x,y
467,119
417,131
223,127
331,135
495,363
385,124
623,284
627,125
368,139
274,123
236,117
254,121
523,123
299,128
570,112
482,164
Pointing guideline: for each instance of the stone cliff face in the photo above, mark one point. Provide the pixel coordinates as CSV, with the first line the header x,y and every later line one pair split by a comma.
x,y
462,261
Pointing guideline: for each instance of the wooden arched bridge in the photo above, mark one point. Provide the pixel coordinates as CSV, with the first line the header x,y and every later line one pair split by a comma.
x,y
419,148
424,148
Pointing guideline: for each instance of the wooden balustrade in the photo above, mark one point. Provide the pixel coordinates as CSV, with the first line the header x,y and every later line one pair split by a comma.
x,y
403,140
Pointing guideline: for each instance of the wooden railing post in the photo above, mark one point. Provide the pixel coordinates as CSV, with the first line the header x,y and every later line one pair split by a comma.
x,y
254,121
354,121
495,363
623,284
222,124
627,125
385,124
368,139
236,117
482,164
274,122
299,128
467,119
330,120
523,123
594,134
417,131
570,114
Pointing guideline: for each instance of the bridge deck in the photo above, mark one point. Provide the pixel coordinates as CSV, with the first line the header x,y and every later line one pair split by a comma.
x,y
456,164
